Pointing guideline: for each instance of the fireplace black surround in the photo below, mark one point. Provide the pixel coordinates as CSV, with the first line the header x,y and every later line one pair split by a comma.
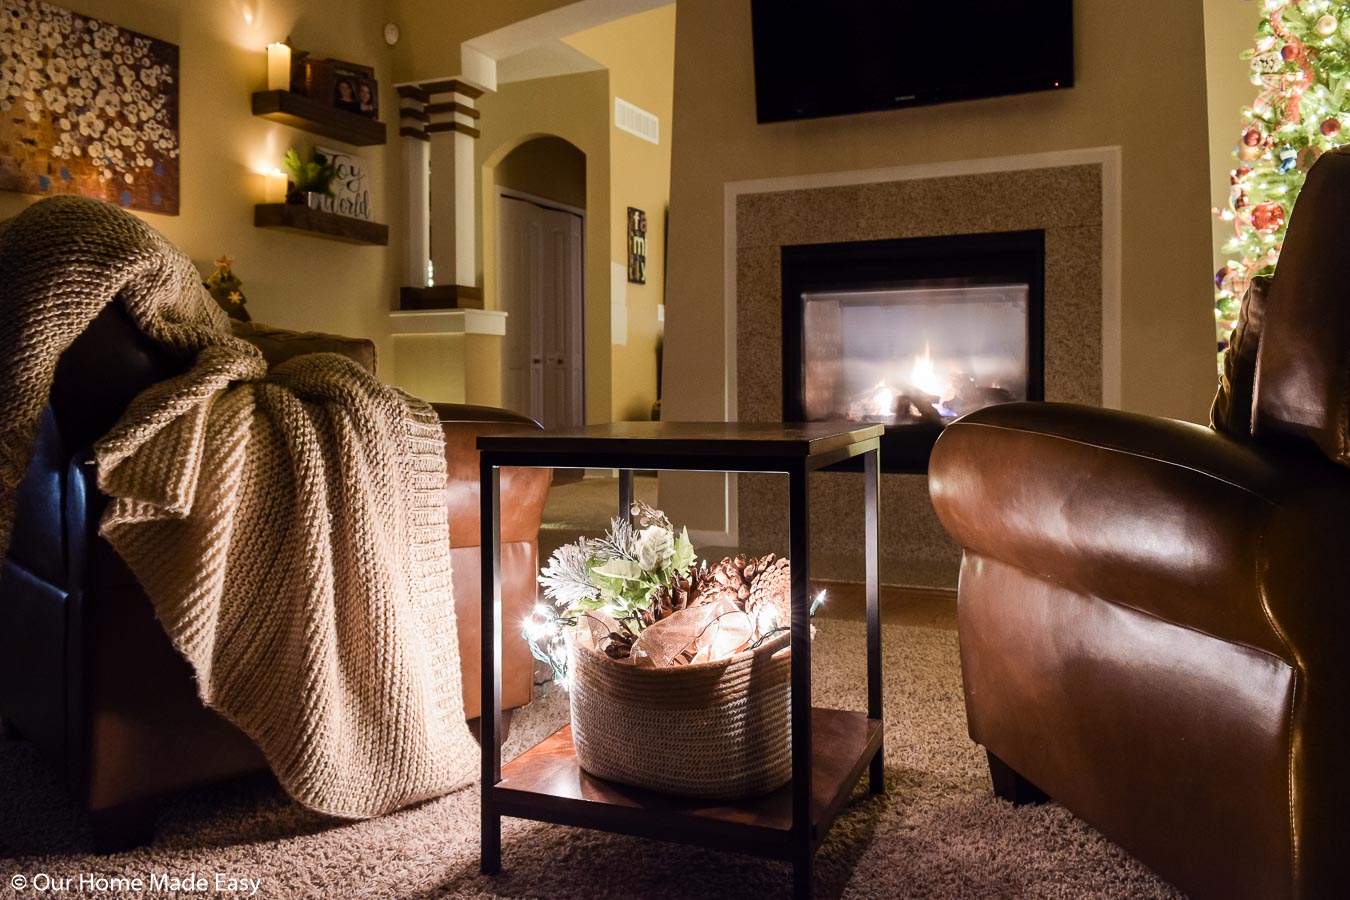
x,y
912,333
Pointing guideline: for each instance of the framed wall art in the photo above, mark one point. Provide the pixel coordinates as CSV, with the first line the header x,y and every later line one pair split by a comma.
x,y
637,246
87,108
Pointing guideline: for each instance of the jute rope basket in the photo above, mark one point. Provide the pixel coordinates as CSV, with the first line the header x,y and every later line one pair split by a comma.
x,y
717,731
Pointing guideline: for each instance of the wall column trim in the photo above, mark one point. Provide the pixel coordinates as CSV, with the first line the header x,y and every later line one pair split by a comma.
x,y
437,120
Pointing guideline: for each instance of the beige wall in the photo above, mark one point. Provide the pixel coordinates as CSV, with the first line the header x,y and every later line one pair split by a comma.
x,y
432,30
547,167
1140,88
1230,27
572,107
290,280
639,52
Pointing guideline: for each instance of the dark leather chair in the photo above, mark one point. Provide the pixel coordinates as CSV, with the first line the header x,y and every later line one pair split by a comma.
x,y
1153,615
86,671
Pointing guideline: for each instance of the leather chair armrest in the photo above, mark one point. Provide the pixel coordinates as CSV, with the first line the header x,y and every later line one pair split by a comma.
x,y
523,491
1231,539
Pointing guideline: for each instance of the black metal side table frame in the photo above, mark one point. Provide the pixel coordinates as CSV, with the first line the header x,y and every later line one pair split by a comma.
x,y
545,783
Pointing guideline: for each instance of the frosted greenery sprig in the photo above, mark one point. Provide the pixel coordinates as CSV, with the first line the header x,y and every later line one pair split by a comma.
x,y
617,575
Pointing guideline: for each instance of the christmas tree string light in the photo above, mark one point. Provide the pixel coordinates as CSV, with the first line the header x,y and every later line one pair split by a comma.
x,y
1301,61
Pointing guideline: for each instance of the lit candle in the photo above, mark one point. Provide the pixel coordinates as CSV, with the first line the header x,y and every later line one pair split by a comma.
x,y
278,67
275,186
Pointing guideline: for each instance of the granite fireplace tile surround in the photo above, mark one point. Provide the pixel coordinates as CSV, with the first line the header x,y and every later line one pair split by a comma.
x,y
1065,202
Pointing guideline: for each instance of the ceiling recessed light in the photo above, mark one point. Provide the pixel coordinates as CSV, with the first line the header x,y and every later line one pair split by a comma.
x,y
391,34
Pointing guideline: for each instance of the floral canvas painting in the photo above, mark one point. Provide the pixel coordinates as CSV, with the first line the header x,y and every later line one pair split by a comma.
x,y
87,108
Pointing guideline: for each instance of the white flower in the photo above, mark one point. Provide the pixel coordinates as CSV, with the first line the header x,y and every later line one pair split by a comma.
x,y
58,70
55,100
104,37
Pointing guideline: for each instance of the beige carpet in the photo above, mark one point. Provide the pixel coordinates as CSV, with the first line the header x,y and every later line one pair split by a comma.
x,y
938,832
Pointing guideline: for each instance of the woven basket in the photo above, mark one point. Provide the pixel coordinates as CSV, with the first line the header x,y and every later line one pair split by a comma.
x,y
717,731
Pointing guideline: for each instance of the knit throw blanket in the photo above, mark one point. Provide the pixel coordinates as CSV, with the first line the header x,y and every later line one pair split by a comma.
x,y
289,526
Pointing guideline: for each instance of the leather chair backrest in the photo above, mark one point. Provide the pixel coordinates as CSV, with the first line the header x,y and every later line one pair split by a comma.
x,y
1303,363
96,378
101,372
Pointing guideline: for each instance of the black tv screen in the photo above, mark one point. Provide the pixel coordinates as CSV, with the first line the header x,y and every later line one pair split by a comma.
x,y
834,57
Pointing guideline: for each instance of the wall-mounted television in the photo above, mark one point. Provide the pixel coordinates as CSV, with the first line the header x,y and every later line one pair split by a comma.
x,y
834,57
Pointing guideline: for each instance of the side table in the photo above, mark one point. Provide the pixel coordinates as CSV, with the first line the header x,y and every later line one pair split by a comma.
x,y
830,748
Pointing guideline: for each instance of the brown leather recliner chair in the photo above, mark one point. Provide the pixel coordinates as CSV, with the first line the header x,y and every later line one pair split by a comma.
x,y
86,671
1153,615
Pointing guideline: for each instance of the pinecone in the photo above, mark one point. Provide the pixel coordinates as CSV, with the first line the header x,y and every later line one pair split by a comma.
x,y
726,579
769,602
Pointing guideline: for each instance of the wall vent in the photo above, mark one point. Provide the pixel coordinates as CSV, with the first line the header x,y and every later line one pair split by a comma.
x,y
636,120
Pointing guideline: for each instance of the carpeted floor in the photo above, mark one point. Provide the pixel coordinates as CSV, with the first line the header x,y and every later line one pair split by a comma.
x,y
938,832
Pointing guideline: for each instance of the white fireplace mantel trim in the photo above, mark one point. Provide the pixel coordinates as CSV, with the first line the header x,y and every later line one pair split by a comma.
x,y
1107,157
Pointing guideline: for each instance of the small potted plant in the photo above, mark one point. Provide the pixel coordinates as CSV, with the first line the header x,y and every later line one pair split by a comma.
x,y
311,179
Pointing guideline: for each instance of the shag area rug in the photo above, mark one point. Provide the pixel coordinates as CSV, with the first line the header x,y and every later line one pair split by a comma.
x,y
937,832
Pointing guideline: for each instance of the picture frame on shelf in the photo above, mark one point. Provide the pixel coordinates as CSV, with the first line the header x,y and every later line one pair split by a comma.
x,y
347,86
351,187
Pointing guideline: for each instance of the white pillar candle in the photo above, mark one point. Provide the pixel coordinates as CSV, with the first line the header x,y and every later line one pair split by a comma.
x,y
274,190
278,67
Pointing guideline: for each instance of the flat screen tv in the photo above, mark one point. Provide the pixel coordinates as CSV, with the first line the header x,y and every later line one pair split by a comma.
x,y
833,57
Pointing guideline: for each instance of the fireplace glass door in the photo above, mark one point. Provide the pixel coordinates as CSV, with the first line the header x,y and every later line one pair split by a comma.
x,y
921,354
912,333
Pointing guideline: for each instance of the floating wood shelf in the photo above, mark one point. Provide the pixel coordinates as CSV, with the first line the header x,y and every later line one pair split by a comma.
x,y
299,111
295,217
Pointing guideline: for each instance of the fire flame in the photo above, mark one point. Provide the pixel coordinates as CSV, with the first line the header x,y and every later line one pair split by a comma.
x,y
883,400
924,377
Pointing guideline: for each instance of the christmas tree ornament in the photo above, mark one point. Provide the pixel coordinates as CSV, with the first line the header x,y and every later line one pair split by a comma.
x,y
1248,153
1221,276
1330,126
1288,160
1268,63
1290,52
1268,217
224,287
1252,137
1307,156
1326,26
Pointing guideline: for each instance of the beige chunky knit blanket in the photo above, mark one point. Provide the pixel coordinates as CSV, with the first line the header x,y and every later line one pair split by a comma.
x,y
288,525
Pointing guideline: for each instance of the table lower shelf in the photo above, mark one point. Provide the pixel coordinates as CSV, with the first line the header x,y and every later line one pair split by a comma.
x,y
546,784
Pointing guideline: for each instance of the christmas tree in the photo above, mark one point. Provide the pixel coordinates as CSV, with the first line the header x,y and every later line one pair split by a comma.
x,y
1301,63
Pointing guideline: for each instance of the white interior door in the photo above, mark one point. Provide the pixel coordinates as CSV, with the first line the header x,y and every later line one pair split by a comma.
x,y
539,253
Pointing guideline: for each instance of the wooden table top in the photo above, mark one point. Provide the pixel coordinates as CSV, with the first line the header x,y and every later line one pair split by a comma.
x,y
751,439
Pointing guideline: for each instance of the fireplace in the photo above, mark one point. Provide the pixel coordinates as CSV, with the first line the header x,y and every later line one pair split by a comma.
x,y
912,333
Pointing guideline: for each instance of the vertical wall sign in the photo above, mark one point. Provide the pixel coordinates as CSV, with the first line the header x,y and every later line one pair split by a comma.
x,y
87,108
351,192
637,246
